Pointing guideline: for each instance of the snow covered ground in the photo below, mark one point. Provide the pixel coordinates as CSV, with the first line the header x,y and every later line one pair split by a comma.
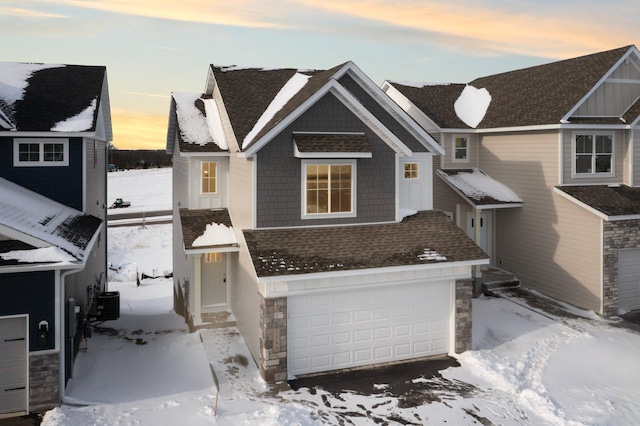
x,y
146,189
527,367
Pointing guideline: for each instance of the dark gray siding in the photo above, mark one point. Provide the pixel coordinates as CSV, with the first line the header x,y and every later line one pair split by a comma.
x,y
279,181
60,183
30,293
381,114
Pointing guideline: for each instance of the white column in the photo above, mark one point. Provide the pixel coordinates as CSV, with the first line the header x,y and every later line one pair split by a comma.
x,y
196,296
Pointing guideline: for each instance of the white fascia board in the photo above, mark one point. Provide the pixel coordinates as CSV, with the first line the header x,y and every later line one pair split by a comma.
x,y
59,266
414,112
497,206
391,107
49,134
172,127
21,236
105,105
369,271
213,249
369,119
204,154
598,84
581,204
211,82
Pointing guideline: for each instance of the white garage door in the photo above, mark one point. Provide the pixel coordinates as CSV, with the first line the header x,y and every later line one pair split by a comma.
x,y
13,365
370,326
629,279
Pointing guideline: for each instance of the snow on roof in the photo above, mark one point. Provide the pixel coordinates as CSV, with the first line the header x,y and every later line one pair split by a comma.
x,y
79,123
472,104
293,86
46,220
195,126
477,186
216,234
14,76
419,84
39,255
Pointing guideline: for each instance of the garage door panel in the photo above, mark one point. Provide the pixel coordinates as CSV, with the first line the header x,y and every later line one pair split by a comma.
x,y
376,325
13,365
629,279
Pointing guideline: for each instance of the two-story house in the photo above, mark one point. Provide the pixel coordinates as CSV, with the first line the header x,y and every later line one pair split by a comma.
x,y
303,203
560,143
54,127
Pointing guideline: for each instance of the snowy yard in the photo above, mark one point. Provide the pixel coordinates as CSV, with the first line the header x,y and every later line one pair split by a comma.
x,y
526,367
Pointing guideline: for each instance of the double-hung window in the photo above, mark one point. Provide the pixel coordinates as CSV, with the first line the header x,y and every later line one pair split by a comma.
x,y
209,177
38,152
593,154
460,149
328,188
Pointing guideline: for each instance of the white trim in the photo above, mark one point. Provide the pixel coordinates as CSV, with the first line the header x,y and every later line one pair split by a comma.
x,y
204,154
390,106
206,194
41,142
354,186
213,249
631,157
598,84
593,154
409,107
453,148
560,158
254,192
622,80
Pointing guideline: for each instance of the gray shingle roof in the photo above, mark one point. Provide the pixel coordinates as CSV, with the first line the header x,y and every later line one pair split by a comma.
x,y
611,200
247,93
324,142
194,223
54,95
538,95
426,237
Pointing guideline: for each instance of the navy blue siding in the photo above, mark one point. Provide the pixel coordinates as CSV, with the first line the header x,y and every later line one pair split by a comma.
x,y
30,293
60,183
279,183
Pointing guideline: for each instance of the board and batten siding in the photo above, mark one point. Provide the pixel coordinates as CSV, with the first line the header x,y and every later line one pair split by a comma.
x,y
551,244
619,141
611,99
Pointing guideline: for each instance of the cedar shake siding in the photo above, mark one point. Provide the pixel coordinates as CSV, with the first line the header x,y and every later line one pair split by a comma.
x,y
279,180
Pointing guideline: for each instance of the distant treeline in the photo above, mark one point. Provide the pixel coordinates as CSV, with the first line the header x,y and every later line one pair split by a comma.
x,y
139,159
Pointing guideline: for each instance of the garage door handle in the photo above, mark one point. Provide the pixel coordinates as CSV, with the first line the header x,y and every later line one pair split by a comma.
x,y
14,340
15,389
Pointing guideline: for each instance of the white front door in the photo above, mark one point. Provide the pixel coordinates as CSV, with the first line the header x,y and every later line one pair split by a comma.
x,y
486,242
629,279
415,182
344,329
13,365
214,279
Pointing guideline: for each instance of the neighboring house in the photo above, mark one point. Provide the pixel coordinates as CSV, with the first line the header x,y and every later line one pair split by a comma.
x,y
303,203
54,127
558,148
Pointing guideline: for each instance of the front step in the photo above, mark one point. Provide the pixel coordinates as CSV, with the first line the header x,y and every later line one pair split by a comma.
x,y
488,287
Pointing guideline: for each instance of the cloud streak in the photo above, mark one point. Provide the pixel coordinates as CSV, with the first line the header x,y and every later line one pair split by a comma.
x,y
527,28
28,13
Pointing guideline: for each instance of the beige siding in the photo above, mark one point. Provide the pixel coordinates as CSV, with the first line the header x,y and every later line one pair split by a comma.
x,y
551,244
446,140
619,138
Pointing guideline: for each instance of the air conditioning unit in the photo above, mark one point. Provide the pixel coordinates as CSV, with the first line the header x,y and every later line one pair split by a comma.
x,y
108,305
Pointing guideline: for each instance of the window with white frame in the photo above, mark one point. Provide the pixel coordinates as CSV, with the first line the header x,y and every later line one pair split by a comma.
x,y
460,149
209,177
411,170
593,153
328,188
38,152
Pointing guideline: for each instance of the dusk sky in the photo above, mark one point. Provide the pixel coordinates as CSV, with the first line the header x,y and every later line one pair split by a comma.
x,y
154,47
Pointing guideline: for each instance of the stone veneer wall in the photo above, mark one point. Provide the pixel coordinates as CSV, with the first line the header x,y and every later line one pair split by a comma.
x,y
463,316
44,381
617,235
273,339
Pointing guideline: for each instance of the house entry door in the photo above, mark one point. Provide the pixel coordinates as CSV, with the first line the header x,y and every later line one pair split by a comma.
x,y
214,280
485,231
415,182
13,365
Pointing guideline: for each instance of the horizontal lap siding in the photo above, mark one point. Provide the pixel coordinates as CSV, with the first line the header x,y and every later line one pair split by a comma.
x,y
551,244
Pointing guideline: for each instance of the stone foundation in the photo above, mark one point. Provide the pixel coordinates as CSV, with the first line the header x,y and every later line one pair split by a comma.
x,y
463,316
273,339
44,381
617,235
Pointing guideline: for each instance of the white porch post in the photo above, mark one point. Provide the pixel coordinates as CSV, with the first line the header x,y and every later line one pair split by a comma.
x,y
477,237
196,296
